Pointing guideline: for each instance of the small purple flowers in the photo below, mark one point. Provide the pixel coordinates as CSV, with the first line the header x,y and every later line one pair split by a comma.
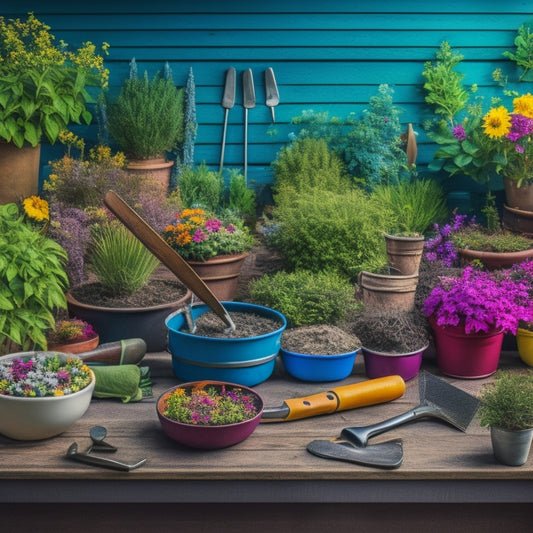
x,y
459,133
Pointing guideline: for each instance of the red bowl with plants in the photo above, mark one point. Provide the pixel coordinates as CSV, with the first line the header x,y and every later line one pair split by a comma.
x,y
209,414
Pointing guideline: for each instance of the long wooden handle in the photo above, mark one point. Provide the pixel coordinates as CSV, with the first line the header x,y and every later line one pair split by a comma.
x,y
167,255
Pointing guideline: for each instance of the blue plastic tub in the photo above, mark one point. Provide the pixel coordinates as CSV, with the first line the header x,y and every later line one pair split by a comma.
x,y
245,361
308,367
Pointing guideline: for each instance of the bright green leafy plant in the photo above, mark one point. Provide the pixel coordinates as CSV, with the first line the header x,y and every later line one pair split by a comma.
x,y
304,297
201,187
43,85
32,282
507,403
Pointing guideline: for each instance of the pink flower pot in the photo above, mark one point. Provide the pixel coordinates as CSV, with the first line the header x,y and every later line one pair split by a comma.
x,y
467,356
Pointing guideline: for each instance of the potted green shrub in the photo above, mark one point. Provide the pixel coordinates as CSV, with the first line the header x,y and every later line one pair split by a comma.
x,y
32,282
507,408
146,121
415,205
44,88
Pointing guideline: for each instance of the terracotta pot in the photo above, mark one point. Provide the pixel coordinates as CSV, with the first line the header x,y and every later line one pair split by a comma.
x,y
393,291
404,253
114,324
518,221
467,356
494,260
518,197
158,168
85,345
19,172
221,274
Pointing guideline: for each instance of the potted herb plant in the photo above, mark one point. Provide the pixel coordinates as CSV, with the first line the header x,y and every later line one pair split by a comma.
x,y
415,205
507,408
42,394
72,335
470,314
44,88
32,280
146,121
215,249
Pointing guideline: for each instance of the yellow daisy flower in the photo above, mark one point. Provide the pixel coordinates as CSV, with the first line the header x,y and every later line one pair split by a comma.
x,y
497,122
524,105
36,208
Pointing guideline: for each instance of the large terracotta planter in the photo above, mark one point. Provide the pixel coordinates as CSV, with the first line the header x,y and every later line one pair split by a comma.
x,y
494,260
19,172
158,168
467,356
518,221
404,253
114,324
518,197
392,291
221,274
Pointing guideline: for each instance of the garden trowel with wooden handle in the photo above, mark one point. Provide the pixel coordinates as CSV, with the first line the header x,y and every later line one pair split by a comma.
x,y
228,101
167,255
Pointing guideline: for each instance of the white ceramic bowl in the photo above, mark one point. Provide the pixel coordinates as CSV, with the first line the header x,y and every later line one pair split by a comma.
x,y
24,418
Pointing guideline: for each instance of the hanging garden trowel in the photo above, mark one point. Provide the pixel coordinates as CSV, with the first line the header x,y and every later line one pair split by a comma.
x,y
228,101
271,91
248,102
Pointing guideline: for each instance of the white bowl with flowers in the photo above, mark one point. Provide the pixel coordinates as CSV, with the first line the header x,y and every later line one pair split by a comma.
x,y
42,393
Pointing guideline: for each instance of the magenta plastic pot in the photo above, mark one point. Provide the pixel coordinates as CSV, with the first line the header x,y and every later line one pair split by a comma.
x,y
467,356
379,364
208,437
308,367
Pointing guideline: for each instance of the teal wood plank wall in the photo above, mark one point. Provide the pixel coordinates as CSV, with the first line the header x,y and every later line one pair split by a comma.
x,y
327,56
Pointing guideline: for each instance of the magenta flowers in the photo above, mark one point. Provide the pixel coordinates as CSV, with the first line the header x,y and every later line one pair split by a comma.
x,y
480,301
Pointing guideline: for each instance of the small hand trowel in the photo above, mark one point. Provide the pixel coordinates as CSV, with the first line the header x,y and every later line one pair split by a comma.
x,y
228,101
248,102
271,91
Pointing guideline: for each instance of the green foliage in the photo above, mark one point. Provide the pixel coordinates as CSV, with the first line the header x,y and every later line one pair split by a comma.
x,y
414,205
120,261
306,163
523,54
323,230
507,403
475,238
241,199
305,297
42,84
146,119
320,126
374,152
202,187
32,282
443,85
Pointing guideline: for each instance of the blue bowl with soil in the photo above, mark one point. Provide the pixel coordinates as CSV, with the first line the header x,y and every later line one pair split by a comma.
x,y
307,367
245,360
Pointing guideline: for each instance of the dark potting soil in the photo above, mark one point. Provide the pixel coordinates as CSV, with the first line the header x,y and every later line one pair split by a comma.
x,y
209,324
319,340
155,292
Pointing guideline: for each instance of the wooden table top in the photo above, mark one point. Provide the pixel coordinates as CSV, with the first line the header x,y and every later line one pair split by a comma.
x,y
275,452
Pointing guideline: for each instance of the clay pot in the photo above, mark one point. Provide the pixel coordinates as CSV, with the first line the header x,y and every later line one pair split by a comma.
x,y
494,260
82,346
19,172
221,274
518,197
158,168
404,253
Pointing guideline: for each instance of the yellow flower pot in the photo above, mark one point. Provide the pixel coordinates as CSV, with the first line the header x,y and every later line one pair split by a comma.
x,y
524,340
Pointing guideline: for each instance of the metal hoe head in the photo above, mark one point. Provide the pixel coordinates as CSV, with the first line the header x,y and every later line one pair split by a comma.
x,y
456,406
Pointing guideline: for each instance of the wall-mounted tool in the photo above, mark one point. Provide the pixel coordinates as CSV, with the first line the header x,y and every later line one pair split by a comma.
x,y
228,101
248,102
271,91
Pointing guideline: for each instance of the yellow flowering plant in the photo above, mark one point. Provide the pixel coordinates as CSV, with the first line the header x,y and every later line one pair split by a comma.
x,y
43,84
198,235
